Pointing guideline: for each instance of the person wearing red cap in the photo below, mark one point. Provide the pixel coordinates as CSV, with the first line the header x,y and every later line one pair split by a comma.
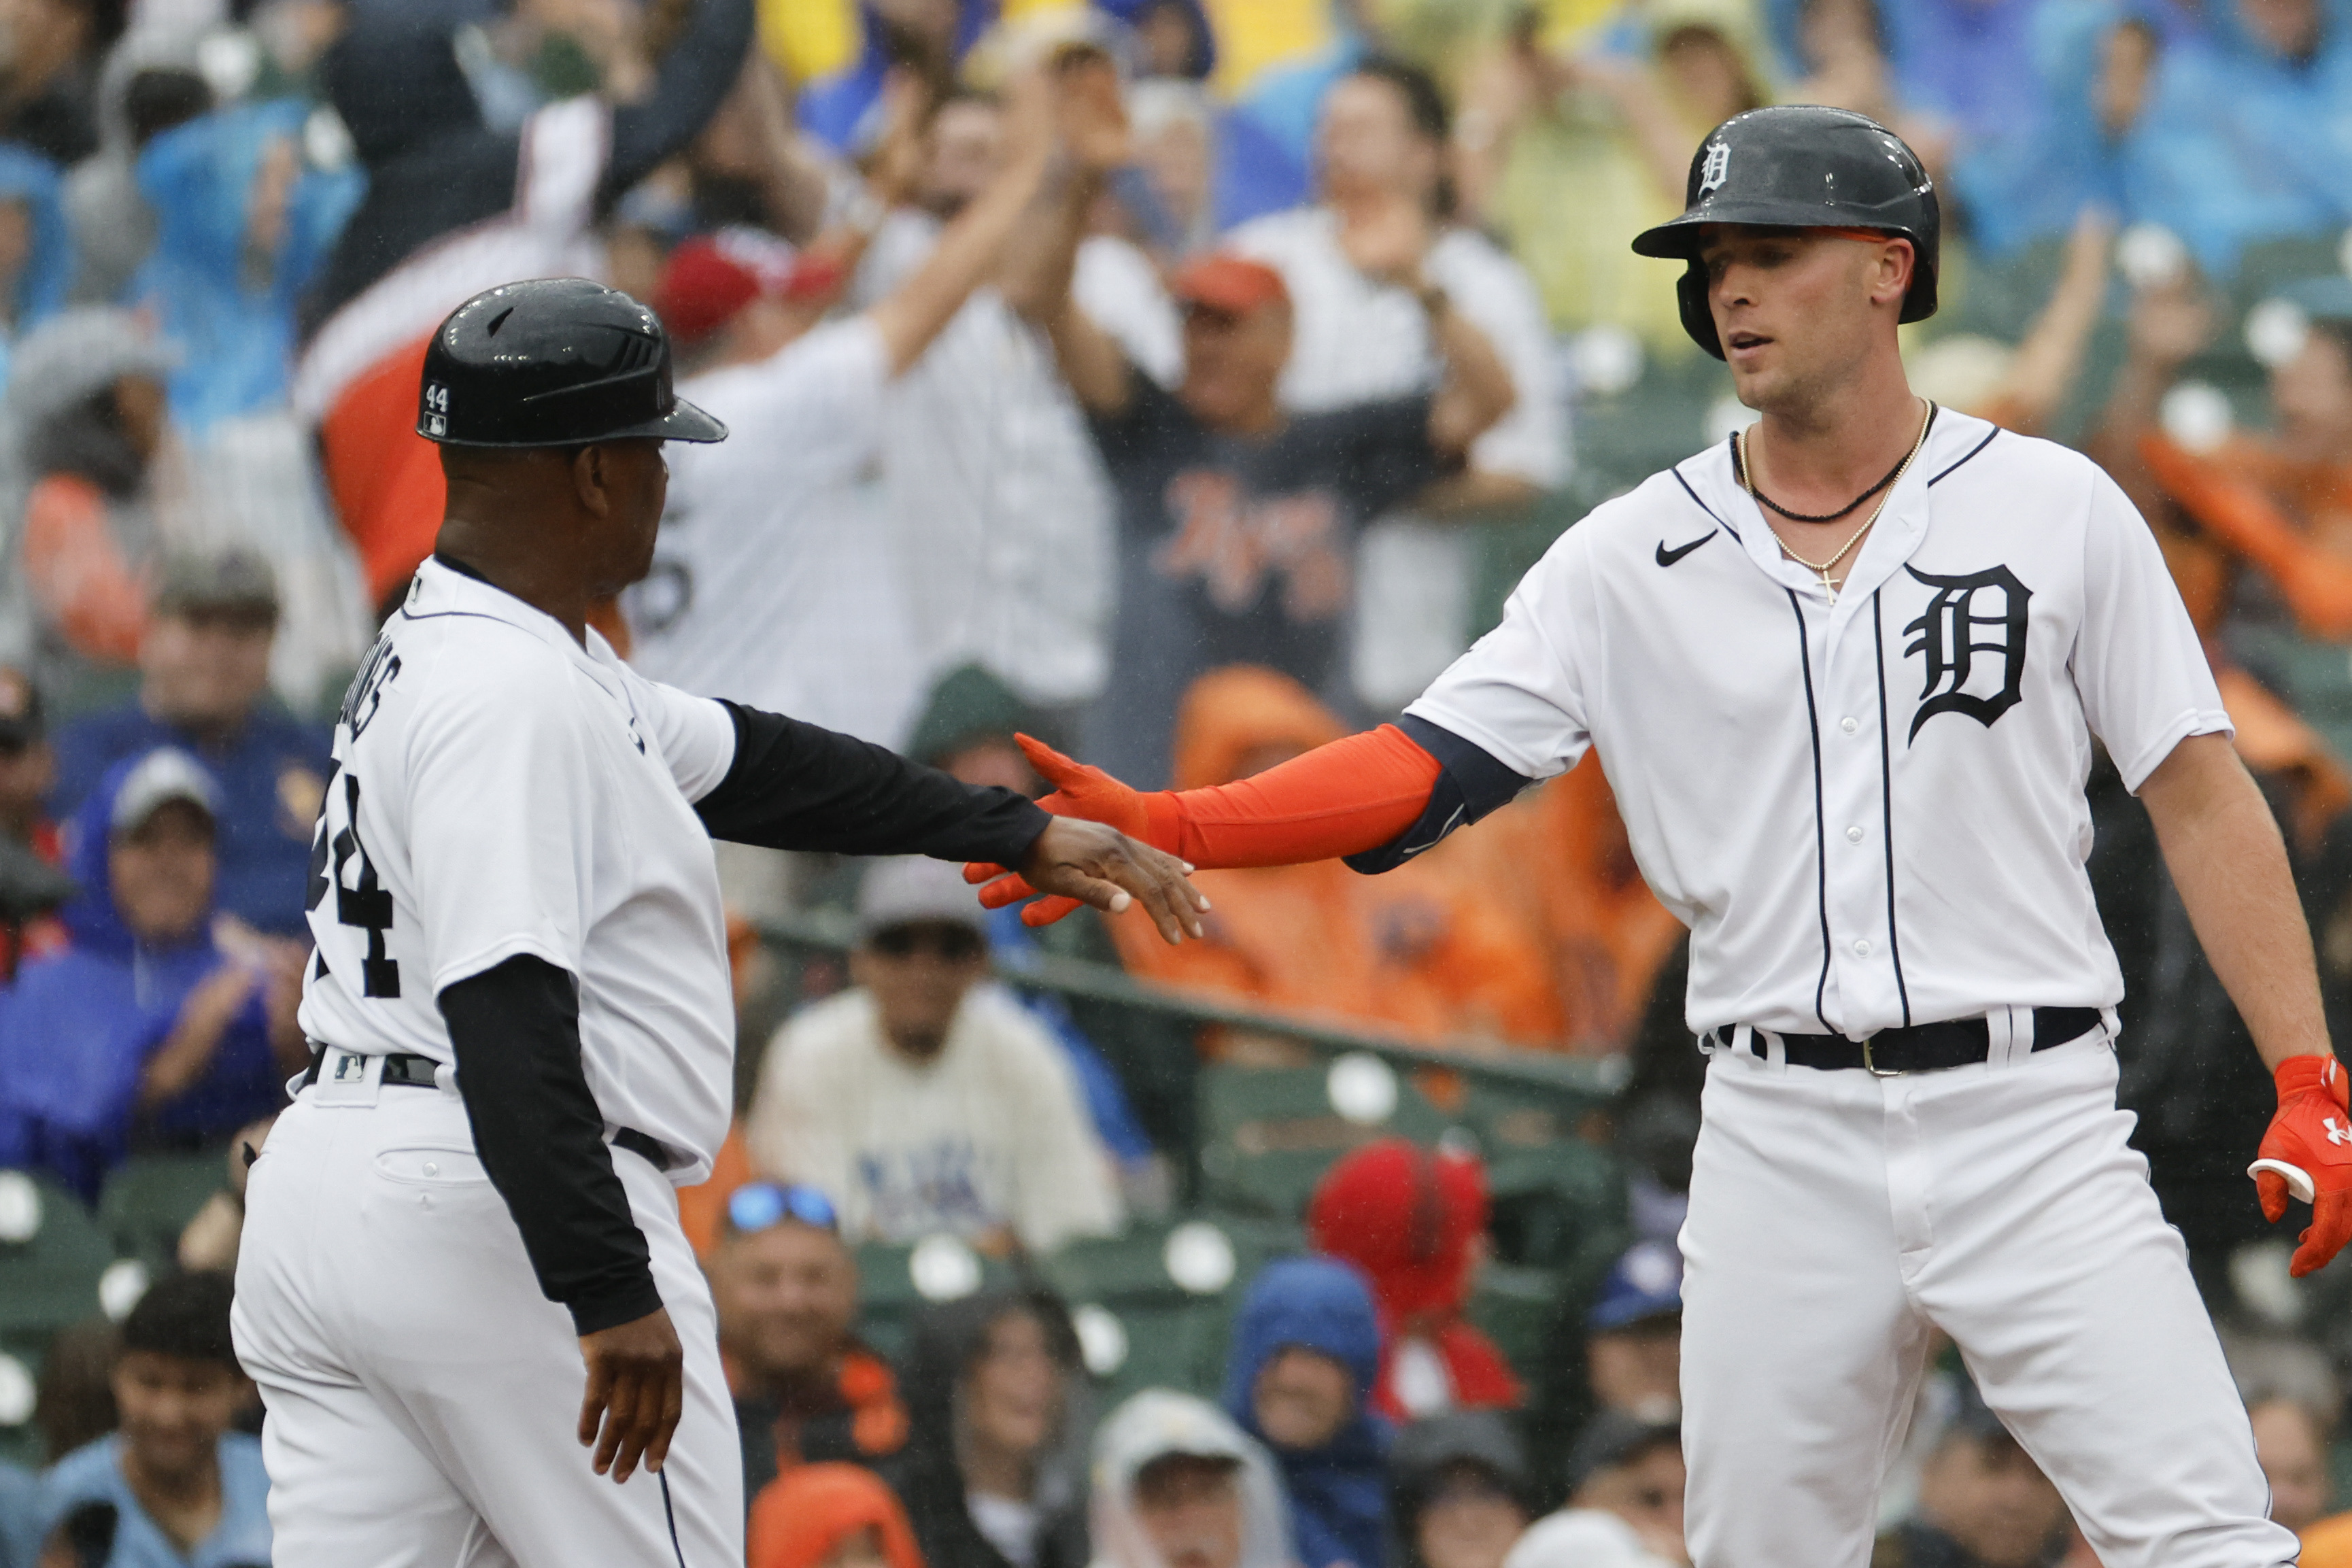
x,y
1238,521
773,579
1413,1220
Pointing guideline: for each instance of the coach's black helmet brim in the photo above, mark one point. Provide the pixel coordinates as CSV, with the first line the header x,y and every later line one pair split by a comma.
x,y
683,422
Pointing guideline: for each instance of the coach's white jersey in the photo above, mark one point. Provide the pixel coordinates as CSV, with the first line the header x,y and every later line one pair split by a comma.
x,y
1869,813
499,790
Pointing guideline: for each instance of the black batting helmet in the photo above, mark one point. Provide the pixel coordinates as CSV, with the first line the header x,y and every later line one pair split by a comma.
x,y
554,362
1797,166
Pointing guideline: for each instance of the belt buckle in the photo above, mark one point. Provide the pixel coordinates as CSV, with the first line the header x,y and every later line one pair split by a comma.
x,y
1873,1069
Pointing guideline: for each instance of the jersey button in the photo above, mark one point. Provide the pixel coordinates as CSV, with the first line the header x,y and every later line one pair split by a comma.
x,y
1861,948
1853,834
1848,725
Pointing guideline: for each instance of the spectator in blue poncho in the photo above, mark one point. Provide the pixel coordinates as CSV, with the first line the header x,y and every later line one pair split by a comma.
x,y
1306,1350
244,222
843,109
35,253
144,1030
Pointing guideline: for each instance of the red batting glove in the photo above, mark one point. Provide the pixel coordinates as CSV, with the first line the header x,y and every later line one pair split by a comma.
x,y
2312,1133
1081,790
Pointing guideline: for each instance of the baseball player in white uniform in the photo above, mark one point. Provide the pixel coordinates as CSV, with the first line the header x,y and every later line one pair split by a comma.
x,y
462,1248
1846,673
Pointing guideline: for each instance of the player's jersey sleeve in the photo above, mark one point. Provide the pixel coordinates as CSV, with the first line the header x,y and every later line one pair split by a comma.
x,y
695,734
2144,679
501,781
1518,694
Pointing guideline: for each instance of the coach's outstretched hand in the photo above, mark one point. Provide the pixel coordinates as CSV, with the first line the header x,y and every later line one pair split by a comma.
x,y
636,1392
2312,1134
1075,861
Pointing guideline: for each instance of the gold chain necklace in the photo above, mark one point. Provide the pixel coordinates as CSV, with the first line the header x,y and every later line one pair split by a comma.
x,y
1823,568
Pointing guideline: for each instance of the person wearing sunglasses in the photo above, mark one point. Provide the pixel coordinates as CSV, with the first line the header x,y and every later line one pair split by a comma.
x,y
925,1099
806,1390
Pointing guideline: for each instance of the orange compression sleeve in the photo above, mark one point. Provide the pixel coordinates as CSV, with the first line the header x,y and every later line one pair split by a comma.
x,y
1352,795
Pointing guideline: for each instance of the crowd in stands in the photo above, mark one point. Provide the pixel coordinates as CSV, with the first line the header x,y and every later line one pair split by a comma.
x,y
1179,384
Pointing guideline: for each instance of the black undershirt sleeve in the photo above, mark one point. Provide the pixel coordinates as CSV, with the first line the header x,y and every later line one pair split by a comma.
x,y
1472,783
797,786
516,1031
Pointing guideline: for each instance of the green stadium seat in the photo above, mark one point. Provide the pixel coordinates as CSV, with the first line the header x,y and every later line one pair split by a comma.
x,y
148,1201
50,1279
889,1300
1267,1134
1167,1336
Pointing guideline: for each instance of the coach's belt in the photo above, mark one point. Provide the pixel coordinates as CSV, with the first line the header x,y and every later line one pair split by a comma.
x,y
1922,1048
416,1072
400,1068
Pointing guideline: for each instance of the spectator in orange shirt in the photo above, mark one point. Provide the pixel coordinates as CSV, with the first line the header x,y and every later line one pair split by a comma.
x,y
1422,953
785,1289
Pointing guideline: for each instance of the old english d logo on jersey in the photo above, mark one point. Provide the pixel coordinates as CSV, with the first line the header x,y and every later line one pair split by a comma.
x,y
1982,613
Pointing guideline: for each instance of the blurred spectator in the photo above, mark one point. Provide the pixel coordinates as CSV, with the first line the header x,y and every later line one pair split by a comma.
x,y
20,1544
834,641
1173,38
993,1475
967,730
1834,53
2281,501
36,251
997,509
1571,150
830,1515
74,1403
785,1289
1364,266
1966,63
203,687
2024,388
1176,150
843,107
454,206
1458,1492
1414,1222
31,848
1238,521
210,1238
150,84
1625,1509
1983,1502
244,220
180,1485
1177,1485
924,1098
1634,1346
2291,1442
143,1029
1433,958
1300,1378
86,394
48,86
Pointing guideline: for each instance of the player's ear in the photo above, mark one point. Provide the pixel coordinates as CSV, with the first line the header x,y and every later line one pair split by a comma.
x,y
592,480
1891,280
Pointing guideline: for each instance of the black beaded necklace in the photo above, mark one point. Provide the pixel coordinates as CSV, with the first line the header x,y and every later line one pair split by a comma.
x,y
1747,482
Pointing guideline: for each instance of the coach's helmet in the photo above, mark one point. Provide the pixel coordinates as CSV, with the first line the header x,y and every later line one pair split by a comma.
x,y
1800,167
555,361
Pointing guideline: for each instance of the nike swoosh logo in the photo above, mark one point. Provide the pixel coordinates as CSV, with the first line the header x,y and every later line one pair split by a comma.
x,y
1668,557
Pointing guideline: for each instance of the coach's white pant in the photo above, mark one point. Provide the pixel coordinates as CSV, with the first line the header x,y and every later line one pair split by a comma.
x,y
1835,1216
422,1394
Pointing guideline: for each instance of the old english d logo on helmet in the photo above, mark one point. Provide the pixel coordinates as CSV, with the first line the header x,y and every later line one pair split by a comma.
x,y
1800,167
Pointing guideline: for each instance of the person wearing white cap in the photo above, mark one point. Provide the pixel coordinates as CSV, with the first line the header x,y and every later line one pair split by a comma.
x,y
1178,1485
925,1099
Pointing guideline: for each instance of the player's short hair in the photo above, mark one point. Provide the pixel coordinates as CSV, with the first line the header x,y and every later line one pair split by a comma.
x,y
185,1316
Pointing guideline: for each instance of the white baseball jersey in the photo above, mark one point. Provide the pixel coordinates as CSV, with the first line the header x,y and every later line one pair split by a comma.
x,y
499,790
1869,811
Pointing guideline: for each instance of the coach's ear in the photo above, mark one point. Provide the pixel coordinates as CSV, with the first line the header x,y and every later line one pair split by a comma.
x,y
591,477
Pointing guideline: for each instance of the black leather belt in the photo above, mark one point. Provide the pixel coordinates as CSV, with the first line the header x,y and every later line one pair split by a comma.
x,y
400,1068
1922,1048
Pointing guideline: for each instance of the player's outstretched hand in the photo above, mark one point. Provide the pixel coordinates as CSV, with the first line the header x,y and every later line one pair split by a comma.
x,y
636,1392
1097,865
1079,791
2312,1135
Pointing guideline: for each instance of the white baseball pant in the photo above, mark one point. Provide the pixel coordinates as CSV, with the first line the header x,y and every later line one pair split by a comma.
x,y
1835,1216
422,1394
